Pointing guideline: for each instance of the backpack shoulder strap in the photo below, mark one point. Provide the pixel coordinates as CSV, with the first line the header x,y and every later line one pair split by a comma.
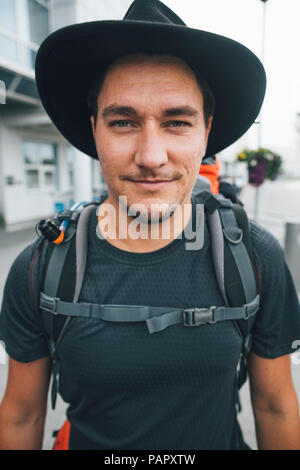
x,y
232,253
35,271
246,327
64,273
235,266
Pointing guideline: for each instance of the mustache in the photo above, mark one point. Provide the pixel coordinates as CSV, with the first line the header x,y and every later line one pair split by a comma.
x,y
147,174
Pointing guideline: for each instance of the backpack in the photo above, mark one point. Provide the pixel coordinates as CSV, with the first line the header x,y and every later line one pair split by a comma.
x,y
210,170
56,289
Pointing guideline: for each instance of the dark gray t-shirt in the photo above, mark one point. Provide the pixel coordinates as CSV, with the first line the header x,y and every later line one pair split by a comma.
x,y
174,389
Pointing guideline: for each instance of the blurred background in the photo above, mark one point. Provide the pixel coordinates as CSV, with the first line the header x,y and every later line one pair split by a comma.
x,y
40,172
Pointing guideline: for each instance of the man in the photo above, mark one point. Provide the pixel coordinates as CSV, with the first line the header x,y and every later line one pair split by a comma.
x,y
151,124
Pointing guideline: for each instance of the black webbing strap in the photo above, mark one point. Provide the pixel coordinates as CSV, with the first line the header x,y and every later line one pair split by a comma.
x,y
63,278
156,318
234,236
235,268
51,283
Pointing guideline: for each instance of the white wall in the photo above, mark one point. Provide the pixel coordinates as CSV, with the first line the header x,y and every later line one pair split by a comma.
x,y
66,12
1,172
93,10
83,183
62,13
21,204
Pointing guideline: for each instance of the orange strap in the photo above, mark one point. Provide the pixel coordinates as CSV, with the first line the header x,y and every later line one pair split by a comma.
x,y
62,439
212,173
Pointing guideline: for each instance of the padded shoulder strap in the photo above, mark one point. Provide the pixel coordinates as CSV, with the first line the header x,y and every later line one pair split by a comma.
x,y
35,274
232,255
217,243
81,248
236,270
63,279
66,267
234,240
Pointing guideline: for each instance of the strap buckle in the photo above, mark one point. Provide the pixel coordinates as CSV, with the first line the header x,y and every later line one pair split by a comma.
x,y
198,316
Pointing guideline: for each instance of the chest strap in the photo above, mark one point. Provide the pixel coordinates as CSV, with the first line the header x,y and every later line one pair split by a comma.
x,y
156,318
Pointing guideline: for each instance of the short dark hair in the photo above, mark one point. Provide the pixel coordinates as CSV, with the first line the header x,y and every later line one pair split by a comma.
x,y
208,97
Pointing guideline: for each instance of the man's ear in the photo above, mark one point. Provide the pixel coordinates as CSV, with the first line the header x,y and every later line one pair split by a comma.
x,y
93,125
208,129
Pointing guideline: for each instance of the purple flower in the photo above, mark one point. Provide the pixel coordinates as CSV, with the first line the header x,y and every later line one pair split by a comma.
x,y
257,173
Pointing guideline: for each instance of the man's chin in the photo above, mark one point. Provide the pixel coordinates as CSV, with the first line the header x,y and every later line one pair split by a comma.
x,y
150,208
152,213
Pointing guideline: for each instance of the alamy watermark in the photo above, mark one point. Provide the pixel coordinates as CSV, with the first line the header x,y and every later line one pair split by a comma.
x,y
2,92
157,223
3,354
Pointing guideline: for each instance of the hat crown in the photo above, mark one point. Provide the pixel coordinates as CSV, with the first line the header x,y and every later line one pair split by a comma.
x,y
153,11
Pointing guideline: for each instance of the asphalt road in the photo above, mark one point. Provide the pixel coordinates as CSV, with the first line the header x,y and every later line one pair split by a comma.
x,y
10,246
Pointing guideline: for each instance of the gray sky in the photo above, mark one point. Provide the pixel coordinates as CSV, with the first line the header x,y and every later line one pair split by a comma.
x,y
242,20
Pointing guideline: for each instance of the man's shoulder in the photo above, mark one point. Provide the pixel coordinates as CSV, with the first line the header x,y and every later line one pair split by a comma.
x,y
268,251
22,271
20,324
263,241
25,256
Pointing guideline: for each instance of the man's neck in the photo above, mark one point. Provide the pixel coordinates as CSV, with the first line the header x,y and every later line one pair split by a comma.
x,y
130,234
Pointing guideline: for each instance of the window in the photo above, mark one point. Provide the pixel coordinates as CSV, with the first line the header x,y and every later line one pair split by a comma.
x,y
32,178
28,55
8,48
40,165
99,183
38,21
24,24
8,15
8,30
33,29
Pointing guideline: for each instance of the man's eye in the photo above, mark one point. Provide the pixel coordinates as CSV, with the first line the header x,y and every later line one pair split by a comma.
x,y
119,123
178,123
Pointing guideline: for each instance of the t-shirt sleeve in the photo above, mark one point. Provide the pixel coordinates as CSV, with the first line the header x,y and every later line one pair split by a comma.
x,y
21,328
277,325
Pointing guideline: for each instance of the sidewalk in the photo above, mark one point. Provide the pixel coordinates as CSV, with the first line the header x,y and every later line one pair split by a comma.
x,y
11,244
279,202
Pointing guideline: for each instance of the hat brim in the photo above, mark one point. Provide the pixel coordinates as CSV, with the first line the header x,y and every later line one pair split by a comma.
x,y
70,58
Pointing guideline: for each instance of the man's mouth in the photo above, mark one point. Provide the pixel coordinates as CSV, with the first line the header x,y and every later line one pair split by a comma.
x,y
151,185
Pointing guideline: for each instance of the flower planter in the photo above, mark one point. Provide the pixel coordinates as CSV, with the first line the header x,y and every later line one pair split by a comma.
x,y
257,172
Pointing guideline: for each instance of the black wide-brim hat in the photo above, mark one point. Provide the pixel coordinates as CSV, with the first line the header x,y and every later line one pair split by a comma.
x,y
69,60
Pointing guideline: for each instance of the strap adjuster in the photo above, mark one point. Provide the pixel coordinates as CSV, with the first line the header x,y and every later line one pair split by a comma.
x,y
247,315
198,316
49,303
251,308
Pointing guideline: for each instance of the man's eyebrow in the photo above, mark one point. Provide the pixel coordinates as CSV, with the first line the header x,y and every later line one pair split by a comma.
x,y
114,110
181,111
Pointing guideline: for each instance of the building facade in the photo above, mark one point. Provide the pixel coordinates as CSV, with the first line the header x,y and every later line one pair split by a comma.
x,y
39,170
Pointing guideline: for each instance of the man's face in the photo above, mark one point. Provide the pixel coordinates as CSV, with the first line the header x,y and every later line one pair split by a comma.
x,y
150,132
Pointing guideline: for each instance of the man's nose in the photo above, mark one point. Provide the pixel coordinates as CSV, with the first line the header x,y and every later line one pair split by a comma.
x,y
150,150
